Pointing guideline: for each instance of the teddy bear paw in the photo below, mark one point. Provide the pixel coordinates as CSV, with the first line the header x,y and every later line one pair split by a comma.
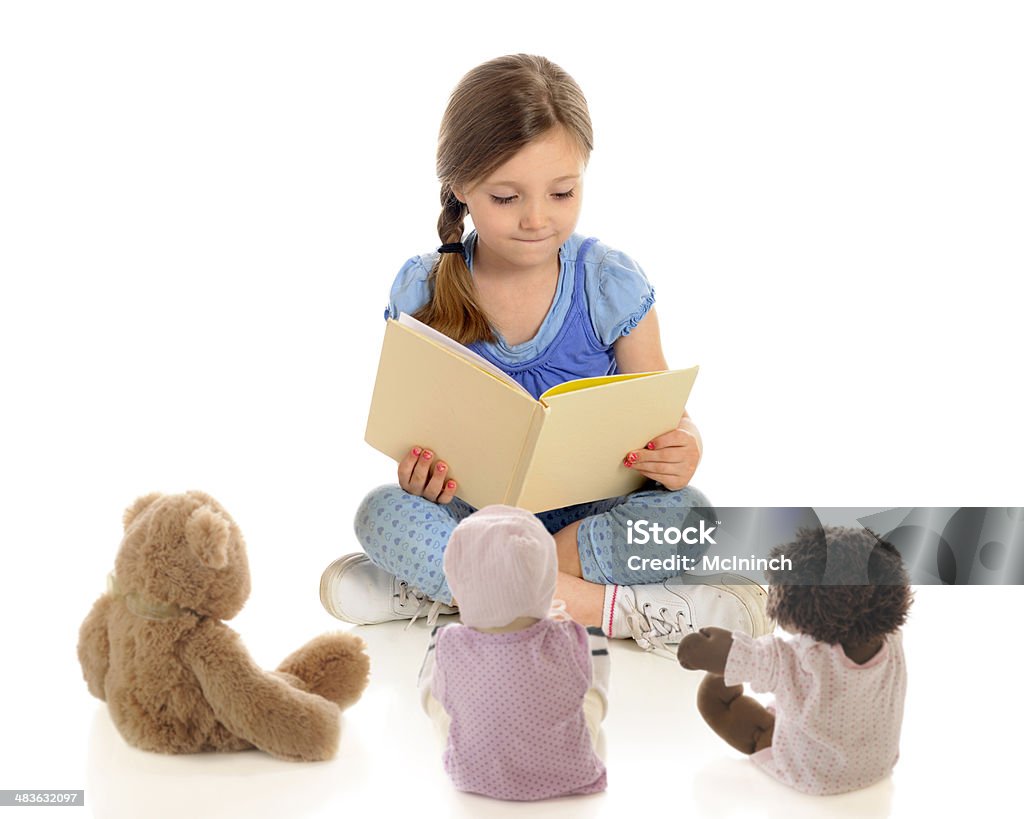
x,y
333,666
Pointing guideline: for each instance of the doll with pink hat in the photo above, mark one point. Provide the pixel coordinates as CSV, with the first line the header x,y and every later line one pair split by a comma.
x,y
517,690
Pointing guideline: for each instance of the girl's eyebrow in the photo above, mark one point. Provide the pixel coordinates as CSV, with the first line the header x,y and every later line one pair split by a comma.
x,y
553,181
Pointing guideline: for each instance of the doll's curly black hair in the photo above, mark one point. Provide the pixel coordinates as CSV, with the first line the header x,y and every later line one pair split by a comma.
x,y
845,586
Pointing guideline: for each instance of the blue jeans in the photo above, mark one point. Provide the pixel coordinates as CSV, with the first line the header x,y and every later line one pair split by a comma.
x,y
406,535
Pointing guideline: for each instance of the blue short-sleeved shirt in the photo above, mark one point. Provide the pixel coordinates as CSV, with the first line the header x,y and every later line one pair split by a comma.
x,y
601,295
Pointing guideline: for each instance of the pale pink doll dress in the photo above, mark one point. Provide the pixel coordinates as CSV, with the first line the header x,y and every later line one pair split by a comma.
x,y
837,724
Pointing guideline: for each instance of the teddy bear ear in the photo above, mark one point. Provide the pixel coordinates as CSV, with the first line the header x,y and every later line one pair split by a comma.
x,y
139,507
207,534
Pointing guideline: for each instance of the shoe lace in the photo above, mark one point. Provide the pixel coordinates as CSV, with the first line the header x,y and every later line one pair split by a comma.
x,y
407,592
658,632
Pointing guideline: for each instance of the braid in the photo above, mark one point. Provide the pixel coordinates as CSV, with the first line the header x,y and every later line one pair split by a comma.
x,y
453,309
451,222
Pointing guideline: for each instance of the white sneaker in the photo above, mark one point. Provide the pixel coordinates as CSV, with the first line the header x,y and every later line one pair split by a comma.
x,y
659,615
356,591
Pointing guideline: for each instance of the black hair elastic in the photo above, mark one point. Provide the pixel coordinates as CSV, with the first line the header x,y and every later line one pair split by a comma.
x,y
453,247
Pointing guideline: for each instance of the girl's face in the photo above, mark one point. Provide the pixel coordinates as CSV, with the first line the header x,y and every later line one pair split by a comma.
x,y
527,208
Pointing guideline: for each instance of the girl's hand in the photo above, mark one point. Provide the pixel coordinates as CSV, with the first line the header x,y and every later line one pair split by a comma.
x,y
671,458
420,473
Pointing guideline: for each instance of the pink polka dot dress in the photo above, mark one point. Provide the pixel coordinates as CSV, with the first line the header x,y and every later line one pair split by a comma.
x,y
516,705
837,723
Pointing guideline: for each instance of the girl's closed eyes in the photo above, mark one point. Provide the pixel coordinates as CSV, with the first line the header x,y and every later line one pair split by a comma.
x,y
508,200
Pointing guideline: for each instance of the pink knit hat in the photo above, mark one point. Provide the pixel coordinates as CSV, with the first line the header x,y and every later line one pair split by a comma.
x,y
501,564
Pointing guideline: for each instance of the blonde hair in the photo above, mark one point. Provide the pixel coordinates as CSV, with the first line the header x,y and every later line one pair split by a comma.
x,y
494,111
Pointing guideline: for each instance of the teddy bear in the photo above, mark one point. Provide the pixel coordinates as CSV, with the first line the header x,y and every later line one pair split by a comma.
x,y
839,681
176,678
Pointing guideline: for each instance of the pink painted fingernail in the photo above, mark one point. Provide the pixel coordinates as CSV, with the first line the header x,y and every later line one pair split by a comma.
x,y
631,457
441,467
650,444
427,456
416,451
450,485
627,463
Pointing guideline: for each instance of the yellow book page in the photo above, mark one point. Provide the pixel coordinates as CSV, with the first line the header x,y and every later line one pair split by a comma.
x,y
587,383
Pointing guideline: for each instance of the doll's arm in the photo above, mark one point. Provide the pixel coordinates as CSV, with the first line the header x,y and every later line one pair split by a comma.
x,y
428,670
706,650
94,647
600,665
259,707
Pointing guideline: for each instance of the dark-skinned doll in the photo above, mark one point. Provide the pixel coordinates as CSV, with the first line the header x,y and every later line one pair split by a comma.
x,y
839,677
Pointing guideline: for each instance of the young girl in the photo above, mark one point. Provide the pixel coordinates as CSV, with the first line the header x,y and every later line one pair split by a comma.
x,y
546,305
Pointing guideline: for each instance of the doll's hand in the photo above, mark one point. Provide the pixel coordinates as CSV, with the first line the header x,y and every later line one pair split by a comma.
x,y
705,650
670,459
420,473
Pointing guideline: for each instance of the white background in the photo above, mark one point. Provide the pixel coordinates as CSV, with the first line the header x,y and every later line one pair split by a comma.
x,y
202,206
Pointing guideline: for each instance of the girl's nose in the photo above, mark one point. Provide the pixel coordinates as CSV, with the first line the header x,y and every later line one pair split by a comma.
x,y
533,216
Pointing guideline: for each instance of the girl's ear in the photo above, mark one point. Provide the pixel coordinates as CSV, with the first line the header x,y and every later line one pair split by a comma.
x,y
459,194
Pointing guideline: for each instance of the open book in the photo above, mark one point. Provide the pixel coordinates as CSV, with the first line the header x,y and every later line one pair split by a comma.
x,y
504,446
